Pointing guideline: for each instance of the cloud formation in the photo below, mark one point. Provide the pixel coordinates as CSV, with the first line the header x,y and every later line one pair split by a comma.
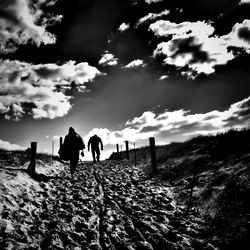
x,y
123,27
177,125
245,2
239,37
163,77
8,146
108,59
135,64
19,24
152,1
68,73
151,17
39,90
194,48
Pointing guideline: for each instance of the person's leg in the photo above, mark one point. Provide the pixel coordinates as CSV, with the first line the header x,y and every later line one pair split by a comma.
x,y
93,154
98,154
73,164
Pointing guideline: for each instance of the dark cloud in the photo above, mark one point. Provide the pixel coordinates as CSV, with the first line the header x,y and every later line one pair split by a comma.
x,y
244,33
8,15
13,76
147,129
45,72
187,45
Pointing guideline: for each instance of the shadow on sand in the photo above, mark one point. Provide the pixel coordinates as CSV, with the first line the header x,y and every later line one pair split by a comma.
x,y
36,176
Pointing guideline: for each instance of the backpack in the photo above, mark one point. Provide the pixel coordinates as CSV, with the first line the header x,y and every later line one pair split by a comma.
x,y
64,153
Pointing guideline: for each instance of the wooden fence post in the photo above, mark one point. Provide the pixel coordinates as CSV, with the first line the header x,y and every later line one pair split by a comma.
x,y
61,141
153,153
127,149
32,165
117,151
53,149
135,153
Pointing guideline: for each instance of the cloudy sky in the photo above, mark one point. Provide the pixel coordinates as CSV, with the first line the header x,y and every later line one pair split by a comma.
x,y
123,69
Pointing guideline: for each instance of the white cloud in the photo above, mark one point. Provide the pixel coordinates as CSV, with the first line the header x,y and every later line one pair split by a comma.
x,y
176,125
18,24
8,146
123,27
212,52
80,73
57,137
147,1
54,104
35,89
135,63
195,46
239,36
151,17
69,72
166,28
245,2
153,1
163,77
108,59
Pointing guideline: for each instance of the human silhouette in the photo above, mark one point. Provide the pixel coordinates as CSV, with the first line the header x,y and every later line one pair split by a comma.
x,y
73,143
94,141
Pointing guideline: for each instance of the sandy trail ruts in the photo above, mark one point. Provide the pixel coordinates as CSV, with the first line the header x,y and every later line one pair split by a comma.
x,y
107,206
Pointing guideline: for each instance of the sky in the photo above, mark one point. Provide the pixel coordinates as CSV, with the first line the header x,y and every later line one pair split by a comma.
x,y
122,69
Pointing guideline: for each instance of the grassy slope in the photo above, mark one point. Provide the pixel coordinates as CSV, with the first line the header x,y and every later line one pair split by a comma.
x,y
17,159
221,184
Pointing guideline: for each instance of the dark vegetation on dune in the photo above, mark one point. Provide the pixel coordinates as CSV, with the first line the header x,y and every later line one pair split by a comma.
x,y
19,158
217,167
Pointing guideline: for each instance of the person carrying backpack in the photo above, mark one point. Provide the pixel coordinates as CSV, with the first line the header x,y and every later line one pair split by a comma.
x,y
69,151
94,141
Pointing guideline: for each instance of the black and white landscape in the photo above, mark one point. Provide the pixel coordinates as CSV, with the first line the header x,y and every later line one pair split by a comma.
x,y
120,205
126,70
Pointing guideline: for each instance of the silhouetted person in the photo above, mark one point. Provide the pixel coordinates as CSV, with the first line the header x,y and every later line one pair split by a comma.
x,y
94,141
73,143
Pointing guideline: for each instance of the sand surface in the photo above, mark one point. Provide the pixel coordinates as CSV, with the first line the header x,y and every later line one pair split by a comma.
x,y
108,205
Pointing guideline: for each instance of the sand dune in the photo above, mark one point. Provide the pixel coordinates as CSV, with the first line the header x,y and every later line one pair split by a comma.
x,y
107,206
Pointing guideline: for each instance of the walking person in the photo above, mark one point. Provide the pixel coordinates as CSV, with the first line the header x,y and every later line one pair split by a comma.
x,y
94,141
73,143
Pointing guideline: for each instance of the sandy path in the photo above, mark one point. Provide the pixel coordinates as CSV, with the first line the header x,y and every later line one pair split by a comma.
x,y
107,206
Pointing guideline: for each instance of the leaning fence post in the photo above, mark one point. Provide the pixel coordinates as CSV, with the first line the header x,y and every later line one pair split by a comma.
x,y
32,165
152,153
127,150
